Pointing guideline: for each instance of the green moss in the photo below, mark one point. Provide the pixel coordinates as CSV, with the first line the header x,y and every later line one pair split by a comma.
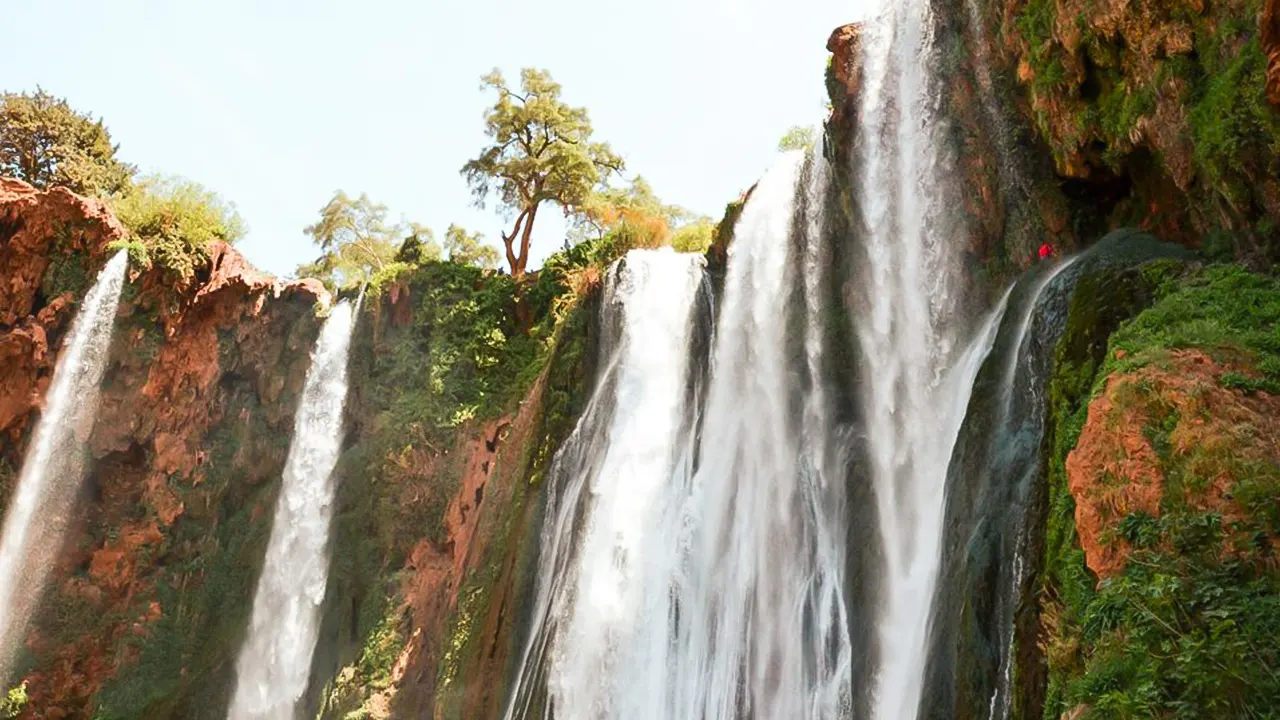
x,y
1183,630
206,569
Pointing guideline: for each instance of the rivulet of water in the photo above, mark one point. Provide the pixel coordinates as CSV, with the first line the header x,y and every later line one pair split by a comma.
x,y
275,660
54,465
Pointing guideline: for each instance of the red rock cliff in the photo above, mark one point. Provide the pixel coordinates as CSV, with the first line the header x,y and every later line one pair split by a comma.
x,y
190,438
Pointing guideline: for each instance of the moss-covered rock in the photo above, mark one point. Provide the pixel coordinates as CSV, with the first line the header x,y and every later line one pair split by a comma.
x,y
1159,592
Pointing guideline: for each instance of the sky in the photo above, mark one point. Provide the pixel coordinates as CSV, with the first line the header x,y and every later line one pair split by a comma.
x,y
276,108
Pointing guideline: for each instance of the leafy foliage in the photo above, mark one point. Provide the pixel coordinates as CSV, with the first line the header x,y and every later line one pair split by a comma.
x,y
171,220
469,248
800,137
541,151
13,702
46,143
1186,630
360,246
695,237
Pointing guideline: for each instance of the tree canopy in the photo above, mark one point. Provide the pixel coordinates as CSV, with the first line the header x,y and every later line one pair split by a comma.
x,y
43,141
469,248
540,151
358,243
636,206
799,137
172,220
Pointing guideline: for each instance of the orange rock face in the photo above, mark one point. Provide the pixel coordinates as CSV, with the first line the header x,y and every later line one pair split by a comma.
x,y
184,355
1116,469
845,46
1270,27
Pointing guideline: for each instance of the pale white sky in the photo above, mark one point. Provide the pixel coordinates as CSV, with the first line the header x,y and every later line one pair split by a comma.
x,y
275,107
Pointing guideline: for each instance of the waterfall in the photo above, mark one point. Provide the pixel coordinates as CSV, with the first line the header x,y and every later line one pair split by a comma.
x,y
275,660
919,372
603,602
693,554
51,473
763,621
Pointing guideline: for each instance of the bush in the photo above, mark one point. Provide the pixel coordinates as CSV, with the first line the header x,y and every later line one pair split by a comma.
x,y
171,222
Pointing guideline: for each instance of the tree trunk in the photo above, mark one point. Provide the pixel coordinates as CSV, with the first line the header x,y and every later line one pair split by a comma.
x,y
522,261
516,264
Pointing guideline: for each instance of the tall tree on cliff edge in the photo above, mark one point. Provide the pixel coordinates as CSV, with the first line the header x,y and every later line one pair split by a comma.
x,y
541,152
46,143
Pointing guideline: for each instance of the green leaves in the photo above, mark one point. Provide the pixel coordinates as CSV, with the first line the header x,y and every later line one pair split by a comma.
x,y
469,248
361,247
799,137
46,143
172,220
541,151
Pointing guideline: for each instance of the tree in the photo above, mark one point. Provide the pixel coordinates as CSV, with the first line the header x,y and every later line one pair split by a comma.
x,y
46,143
358,243
469,248
541,151
418,247
636,206
695,236
172,220
799,137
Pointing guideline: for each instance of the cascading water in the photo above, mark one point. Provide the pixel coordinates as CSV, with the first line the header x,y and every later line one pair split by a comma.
x,y
275,660
709,589
918,373
762,628
51,473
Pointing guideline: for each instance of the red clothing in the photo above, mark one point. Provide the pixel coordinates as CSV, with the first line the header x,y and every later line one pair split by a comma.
x,y
1045,250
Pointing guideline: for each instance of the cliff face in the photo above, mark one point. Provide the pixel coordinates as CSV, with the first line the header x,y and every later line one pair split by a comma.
x,y
1161,114
455,414
142,614
1072,118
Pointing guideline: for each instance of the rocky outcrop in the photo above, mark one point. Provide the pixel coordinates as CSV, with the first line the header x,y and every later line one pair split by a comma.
x,y
844,73
1156,113
195,418
1148,420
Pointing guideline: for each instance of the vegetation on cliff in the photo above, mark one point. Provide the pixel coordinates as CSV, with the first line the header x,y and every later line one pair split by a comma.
x,y
46,143
541,152
1166,104
1160,582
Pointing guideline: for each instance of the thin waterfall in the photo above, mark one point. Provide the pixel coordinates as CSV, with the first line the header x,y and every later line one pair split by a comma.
x,y
52,471
918,371
693,553
1002,697
275,660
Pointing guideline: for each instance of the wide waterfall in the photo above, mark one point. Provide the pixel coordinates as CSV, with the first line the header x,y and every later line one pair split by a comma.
x,y
51,473
779,559
275,660
693,555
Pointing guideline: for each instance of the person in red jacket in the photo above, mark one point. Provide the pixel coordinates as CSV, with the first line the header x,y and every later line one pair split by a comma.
x,y
1046,251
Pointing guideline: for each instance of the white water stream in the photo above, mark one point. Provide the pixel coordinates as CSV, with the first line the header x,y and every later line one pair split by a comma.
x,y
275,660
712,591
54,465
918,372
